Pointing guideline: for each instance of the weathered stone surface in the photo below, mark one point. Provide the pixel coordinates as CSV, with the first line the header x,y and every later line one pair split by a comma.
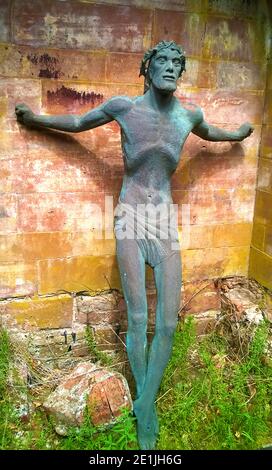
x,y
4,20
66,211
258,234
233,39
215,262
17,279
77,274
103,391
98,309
33,62
8,212
81,25
72,97
185,29
263,213
266,142
233,7
49,312
260,267
243,305
225,107
200,297
239,75
205,322
265,175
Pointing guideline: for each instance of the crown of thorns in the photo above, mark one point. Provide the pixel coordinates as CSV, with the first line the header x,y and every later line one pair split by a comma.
x,y
151,52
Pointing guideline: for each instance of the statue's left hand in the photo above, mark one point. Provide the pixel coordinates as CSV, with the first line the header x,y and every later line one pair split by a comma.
x,y
24,114
245,130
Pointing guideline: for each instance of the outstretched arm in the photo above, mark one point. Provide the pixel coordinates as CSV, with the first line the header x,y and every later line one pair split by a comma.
x,y
208,132
65,122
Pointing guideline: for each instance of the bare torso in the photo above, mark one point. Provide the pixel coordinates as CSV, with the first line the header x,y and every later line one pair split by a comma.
x,y
151,142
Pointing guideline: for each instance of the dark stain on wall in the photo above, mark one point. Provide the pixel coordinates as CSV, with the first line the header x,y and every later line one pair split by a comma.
x,y
66,95
47,63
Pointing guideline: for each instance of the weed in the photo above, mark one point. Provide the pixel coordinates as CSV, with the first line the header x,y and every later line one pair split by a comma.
x,y
96,354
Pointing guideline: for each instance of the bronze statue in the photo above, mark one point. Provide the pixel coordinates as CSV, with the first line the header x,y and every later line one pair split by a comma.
x,y
154,128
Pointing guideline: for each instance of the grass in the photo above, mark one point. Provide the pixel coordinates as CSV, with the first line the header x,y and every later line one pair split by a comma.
x,y
213,396
211,402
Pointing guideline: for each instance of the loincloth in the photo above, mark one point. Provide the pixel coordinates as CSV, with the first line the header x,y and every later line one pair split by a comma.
x,y
154,230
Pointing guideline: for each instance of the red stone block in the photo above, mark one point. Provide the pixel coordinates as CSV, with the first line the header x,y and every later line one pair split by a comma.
x,y
218,206
49,212
232,39
124,68
43,175
81,25
185,29
200,297
221,172
14,91
8,212
5,6
32,62
71,97
225,106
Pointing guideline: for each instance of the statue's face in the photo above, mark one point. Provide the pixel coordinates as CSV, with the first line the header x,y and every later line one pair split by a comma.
x,y
165,69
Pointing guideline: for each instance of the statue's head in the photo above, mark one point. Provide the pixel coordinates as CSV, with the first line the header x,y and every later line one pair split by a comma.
x,y
163,65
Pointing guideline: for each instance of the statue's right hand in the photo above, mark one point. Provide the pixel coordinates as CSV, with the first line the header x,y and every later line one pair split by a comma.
x,y
23,113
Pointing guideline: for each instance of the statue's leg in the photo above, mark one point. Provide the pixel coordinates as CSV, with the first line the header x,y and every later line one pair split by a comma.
x,y
132,271
168,285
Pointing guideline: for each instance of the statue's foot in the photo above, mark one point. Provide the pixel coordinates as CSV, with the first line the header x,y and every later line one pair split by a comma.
x,y
147,425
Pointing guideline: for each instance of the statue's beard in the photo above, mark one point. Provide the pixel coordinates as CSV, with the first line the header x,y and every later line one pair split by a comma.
x,y
165,85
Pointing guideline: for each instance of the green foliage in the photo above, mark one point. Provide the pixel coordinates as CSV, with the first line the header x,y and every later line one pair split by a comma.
x,y
96,354
210,402
121,436
209,399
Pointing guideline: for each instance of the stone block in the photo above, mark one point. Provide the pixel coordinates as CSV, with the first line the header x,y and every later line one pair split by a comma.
x,y
8,213
258,233
200,297
185,29
268,240
233,39
205,324
241,75
263,213
44,313
104,392
81,25
45,175
221,107
233,8
32,62
72,97
82,273
232,235
220,206
260,267
221,171
5,6
17,279
214,262
48,212
124,68
266,142
97,309
268,108
265,175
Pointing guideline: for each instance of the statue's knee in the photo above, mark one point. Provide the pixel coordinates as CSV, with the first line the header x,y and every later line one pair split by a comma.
x,y
137,320
167,330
